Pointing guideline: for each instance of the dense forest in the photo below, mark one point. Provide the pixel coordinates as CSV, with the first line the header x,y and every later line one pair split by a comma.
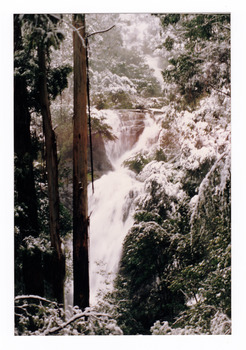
x,y
122,174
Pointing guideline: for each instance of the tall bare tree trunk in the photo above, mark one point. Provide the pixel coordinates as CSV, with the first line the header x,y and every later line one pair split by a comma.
x,y
80,134
58,259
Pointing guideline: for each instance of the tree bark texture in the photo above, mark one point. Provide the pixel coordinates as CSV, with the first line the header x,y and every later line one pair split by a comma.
x,y
32,271
58,259
80,135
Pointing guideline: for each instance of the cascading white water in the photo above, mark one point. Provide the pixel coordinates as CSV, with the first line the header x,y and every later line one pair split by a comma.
x,y
112,204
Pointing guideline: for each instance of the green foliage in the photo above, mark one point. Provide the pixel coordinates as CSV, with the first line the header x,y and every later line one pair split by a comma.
x,y
206,274
168,44
168,19
41,29
137,163
146,216
142,281
100,127
199,27
193,178
207,27
203,61
185,73
142,248
57,80
65,220
148,87
160,155
100,101
212,238
117,100
121,99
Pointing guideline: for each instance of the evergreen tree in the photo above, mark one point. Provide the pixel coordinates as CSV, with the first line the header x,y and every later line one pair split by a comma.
x,y
198,47
40,33
26,219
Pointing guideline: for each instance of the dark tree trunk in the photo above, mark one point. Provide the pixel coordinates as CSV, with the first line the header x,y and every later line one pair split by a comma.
x,y
80,135
24,181
58,260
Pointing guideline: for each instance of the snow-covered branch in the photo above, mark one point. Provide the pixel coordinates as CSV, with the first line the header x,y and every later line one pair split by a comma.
x,y
25,297
74,318
78,29
100,31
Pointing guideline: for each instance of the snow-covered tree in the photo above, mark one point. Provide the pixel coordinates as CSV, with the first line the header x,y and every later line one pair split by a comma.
x,y
198,48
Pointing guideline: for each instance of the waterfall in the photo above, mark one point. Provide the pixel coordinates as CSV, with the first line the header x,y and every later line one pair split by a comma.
x,y
111,207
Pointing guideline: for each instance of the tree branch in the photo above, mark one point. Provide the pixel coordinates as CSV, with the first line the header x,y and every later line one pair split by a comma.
x,y
74,318
100,31
24,297
71,26
77,29
221,92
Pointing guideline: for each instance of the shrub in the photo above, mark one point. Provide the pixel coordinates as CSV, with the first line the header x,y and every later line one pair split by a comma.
x,y
137,163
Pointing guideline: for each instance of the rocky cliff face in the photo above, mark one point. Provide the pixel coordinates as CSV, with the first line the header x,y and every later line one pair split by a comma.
x,y
101,162
131,127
